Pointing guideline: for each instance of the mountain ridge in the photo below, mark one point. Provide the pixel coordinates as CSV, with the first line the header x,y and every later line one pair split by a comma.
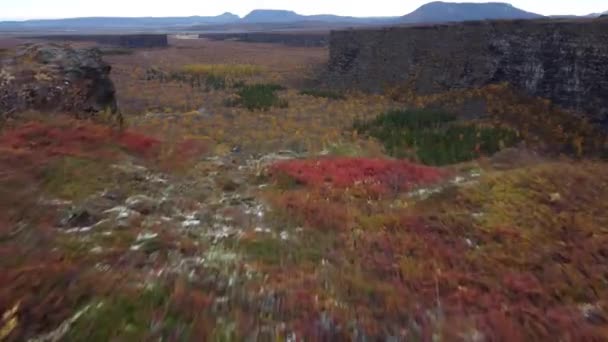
x,y
432,12
440,11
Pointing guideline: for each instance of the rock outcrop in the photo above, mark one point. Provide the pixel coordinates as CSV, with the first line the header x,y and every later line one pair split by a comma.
x,y
560,60
304,39
120,40
55,78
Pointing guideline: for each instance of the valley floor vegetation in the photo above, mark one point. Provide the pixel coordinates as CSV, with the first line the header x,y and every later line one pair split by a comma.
x,y
240,202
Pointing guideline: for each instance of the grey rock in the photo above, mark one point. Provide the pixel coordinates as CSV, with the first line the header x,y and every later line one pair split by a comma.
x,y
203,215
142,204
122,217
78,218
167,206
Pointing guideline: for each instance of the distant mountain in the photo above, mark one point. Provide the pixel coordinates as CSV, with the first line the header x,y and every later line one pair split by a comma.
x,y
272,16
439,11
119,22
281,16
262,18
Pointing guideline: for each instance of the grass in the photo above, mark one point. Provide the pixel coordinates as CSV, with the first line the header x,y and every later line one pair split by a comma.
x,y
512,255
121,318
260,97
328,94
537,120
231,71
507,237
217,76
117,52
75,178
435,137
274,251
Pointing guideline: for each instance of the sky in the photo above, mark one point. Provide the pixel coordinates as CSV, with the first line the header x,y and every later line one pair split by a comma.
x,y
42,9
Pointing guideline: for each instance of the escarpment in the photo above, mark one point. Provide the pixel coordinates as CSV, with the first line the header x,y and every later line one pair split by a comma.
x,y
565,61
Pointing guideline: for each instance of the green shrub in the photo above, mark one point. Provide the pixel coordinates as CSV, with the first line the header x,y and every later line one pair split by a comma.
x,y
397,120
260,97
215,82
328,94
435,138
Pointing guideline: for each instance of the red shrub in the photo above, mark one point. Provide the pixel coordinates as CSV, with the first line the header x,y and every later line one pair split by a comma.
x,y
314,210
74,138
378,175
138,143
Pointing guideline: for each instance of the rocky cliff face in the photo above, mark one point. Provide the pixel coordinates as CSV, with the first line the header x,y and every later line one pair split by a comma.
x,y
55,78
289,39
122,40
564,61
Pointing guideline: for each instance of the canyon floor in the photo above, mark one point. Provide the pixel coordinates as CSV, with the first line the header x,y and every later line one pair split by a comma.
x,y
212,215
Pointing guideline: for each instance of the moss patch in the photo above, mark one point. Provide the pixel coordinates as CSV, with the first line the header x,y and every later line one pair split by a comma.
x,y
134,317
75,178
260,97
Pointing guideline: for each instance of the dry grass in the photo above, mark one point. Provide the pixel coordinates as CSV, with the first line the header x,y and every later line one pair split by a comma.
x,y
223,70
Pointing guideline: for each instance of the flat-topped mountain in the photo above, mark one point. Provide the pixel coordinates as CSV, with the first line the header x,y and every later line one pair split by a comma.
x,y
272,16
439,11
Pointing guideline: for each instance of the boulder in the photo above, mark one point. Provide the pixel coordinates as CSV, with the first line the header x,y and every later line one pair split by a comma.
x,y
78,218
55,78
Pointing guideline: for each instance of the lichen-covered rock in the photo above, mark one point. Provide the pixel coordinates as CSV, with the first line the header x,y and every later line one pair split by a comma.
x,y
55,78
565,61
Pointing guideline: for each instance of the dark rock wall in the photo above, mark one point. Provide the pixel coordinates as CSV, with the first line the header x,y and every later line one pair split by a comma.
x,y
289,39
564,61
125,40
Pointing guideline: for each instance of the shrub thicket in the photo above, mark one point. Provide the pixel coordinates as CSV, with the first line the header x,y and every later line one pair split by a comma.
x,y
435,137
260,97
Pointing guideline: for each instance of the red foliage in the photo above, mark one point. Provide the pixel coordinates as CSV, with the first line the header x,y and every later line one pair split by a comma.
x,y
74,138
377,175
315,210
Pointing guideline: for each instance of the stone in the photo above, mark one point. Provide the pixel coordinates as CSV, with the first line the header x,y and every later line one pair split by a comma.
x,y
53,78
123,218
203,215
594,314
78,218
555,197
142,204
167,206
